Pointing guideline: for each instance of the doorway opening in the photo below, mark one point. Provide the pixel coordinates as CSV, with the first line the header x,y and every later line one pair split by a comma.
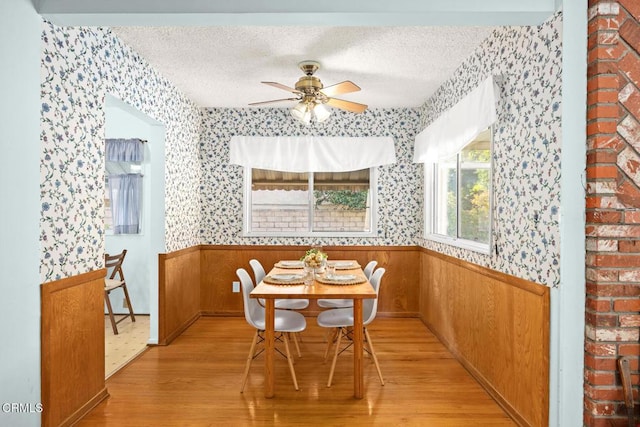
x,y
140,267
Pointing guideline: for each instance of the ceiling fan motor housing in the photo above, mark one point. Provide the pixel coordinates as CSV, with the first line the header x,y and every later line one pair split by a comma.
x,y
308,85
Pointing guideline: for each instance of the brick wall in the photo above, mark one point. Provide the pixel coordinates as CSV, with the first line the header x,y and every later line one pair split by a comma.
x,y
296,218
612,207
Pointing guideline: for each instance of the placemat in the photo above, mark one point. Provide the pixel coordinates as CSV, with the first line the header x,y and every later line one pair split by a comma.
x,y
345,265
279,279
294,265
357,279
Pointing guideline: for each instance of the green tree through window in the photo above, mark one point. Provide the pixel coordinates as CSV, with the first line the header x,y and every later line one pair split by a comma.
x,y
462,193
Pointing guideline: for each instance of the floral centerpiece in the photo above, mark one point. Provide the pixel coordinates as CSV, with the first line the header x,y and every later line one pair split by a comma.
x,y
314,260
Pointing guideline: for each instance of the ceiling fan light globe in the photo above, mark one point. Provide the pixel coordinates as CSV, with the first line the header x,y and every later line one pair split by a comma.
x,y
299,111
306,119
302,113
321,113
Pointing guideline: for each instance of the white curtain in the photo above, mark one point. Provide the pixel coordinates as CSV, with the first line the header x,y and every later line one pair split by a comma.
x,y
459,125
126,199
311,153
125,190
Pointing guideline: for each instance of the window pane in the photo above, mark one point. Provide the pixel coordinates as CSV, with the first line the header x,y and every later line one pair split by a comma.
x,y
475,179
279,201
341,210
134,209
341,201
446,194
461,196
290,204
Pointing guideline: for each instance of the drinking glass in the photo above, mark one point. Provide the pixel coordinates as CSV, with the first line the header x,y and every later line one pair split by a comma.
x,y
330,270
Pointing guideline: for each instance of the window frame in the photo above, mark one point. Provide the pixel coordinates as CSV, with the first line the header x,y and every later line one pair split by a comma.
x,y
247,216
430,194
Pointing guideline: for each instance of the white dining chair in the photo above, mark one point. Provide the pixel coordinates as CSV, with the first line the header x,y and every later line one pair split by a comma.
x,y
342,320
344,303
283,304
285,322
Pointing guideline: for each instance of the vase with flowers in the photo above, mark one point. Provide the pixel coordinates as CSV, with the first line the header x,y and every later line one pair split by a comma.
x,y
314,260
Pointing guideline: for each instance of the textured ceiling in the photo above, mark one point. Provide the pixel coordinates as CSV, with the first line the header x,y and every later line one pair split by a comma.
x,y
223,66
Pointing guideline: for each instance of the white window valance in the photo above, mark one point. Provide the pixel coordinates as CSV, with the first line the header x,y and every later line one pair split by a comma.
x,y
458,126
311,153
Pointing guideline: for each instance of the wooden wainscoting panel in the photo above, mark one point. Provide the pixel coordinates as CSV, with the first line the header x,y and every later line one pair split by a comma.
x,y
399,296
72,341
178,293
219,264
497,326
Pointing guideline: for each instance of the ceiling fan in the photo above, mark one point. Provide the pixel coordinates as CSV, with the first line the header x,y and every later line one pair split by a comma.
x,y
312,96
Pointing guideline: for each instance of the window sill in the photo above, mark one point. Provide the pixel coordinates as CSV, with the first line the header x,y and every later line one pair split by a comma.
x,y
482,248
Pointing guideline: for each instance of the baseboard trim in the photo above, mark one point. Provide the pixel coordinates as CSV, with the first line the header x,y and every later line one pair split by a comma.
x,y
225,314
175,334
484,383
86,408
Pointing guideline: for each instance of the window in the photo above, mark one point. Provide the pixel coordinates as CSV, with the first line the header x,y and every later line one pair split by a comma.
x,y
123,185
123,177
309,204
460,193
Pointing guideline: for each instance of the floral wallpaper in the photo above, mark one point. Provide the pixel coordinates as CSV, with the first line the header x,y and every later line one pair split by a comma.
x,y
79,66
399,185
527,64
204,193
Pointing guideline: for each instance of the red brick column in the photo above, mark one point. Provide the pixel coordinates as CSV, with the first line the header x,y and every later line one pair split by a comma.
x,y
613,207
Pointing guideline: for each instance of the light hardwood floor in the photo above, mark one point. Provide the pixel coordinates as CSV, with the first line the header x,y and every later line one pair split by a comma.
x,y
195,381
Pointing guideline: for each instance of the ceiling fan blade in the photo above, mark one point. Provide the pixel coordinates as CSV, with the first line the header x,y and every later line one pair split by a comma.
x,y
354,107
273,100
340,88
281,86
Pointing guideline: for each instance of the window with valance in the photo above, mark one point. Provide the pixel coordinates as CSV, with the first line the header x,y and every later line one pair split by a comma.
x,y
310,185
456,149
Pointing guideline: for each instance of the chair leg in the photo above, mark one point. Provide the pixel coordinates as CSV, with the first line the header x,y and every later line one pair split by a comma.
x,y
126,296
249,359
373,354
295,341
293,372
110,310
335,357
331,336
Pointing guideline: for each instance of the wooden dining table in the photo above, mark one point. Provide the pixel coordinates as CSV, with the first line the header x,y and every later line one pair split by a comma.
x,y
317,290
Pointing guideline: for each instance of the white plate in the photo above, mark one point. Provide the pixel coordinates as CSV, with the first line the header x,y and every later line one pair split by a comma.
x,y
287,277
343,264
341,277
291,263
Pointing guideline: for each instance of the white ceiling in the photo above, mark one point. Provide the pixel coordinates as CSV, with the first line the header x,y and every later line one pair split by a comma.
x,y
218,51
223,66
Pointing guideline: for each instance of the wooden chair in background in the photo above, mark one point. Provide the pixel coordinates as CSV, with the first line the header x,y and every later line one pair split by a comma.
x,y
115,280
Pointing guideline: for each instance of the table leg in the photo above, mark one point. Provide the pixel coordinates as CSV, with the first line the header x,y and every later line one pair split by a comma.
x,y
269,377
358,338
